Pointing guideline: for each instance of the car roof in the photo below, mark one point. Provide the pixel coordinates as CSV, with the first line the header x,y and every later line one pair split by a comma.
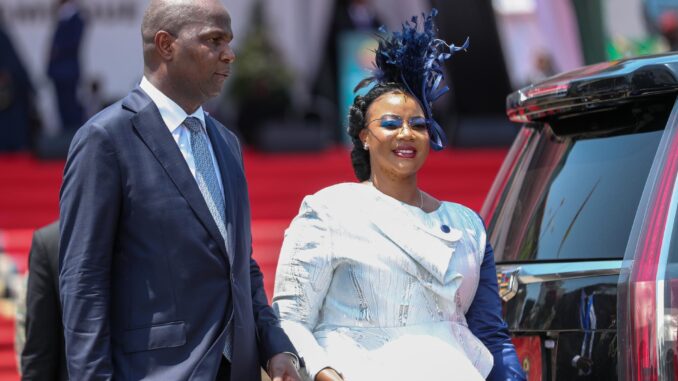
x,y
594,87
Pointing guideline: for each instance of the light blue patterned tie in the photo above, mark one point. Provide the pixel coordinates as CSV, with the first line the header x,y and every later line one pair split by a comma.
x,y
206,177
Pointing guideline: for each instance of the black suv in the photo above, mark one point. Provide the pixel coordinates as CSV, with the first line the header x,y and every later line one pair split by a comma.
x,y
582,217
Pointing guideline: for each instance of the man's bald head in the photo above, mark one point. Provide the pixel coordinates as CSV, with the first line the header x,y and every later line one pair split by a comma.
x,y
172,16
187,52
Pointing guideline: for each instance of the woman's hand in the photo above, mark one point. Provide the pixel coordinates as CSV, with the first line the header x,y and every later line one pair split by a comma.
x,y
328,374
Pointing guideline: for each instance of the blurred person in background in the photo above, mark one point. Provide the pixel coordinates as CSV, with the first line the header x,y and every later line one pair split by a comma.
x,y
64,62
157,279
668,26
379,280
12,291
542,68
348,16
16,98
93,98
43,357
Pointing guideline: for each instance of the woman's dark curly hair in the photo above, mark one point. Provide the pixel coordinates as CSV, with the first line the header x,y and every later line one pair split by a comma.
x,y
357,115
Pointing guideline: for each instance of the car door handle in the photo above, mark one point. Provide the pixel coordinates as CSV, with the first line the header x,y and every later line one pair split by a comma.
x,y
508,283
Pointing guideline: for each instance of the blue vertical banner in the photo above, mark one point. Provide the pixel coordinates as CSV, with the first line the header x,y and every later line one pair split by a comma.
x,y
356,60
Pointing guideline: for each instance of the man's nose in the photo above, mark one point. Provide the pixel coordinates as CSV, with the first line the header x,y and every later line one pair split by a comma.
x,y
228,54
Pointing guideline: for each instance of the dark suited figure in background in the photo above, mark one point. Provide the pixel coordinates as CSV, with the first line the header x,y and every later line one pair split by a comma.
x,y
42,358
64,62
16,98
157,280
348,16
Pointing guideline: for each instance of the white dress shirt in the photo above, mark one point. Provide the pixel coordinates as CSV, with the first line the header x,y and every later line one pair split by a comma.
x,y
173,116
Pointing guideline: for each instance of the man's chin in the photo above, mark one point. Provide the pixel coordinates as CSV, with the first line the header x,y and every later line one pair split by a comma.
x,y
214,92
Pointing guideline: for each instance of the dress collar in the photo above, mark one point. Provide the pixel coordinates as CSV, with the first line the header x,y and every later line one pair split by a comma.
x,y
403,224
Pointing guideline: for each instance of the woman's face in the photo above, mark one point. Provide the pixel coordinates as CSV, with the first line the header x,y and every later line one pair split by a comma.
x,y
396,134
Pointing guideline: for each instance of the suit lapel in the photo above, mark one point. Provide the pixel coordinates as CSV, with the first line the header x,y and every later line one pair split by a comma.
x,y
228,169
152,130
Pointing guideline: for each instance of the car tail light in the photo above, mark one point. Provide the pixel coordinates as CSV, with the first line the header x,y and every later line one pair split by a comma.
x,y
643,342
642,315
529,351
507,167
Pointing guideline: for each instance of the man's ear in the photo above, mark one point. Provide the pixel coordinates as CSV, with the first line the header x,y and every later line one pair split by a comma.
x,y
164,44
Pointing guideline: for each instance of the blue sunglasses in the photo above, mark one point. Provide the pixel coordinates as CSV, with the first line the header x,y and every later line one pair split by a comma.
x,y
394,122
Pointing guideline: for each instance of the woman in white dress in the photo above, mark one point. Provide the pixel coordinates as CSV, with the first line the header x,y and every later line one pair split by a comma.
x,y
378,280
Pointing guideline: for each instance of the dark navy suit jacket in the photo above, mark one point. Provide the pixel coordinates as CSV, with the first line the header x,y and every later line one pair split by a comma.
x,y
64,62
147,281
42,358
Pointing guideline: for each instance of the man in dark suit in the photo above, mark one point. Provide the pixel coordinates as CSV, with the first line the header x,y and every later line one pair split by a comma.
x,y
157,279
16,97
64,62
42,358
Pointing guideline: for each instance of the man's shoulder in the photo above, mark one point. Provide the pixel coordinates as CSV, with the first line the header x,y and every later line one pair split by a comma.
x,y
108,127
113,112
116,115
231,140
49,232
228,134
47,241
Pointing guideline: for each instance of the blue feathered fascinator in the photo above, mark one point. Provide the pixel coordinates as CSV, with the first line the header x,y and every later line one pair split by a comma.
x,y
415,58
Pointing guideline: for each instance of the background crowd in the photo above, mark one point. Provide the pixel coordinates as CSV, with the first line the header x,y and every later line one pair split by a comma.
x,y
63,61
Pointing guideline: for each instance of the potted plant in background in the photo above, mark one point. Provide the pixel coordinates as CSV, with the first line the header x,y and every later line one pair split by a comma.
x,y
261,82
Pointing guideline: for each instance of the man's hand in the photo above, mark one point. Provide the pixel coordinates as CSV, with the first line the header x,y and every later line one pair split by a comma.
x,y
281,367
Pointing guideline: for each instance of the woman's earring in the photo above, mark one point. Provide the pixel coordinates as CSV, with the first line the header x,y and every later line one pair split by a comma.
x,y
366,147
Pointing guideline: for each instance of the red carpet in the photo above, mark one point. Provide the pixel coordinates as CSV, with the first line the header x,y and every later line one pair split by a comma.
x,y
277,183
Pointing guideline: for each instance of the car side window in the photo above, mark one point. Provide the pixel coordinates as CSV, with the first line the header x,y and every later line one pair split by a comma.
x,y
576,197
